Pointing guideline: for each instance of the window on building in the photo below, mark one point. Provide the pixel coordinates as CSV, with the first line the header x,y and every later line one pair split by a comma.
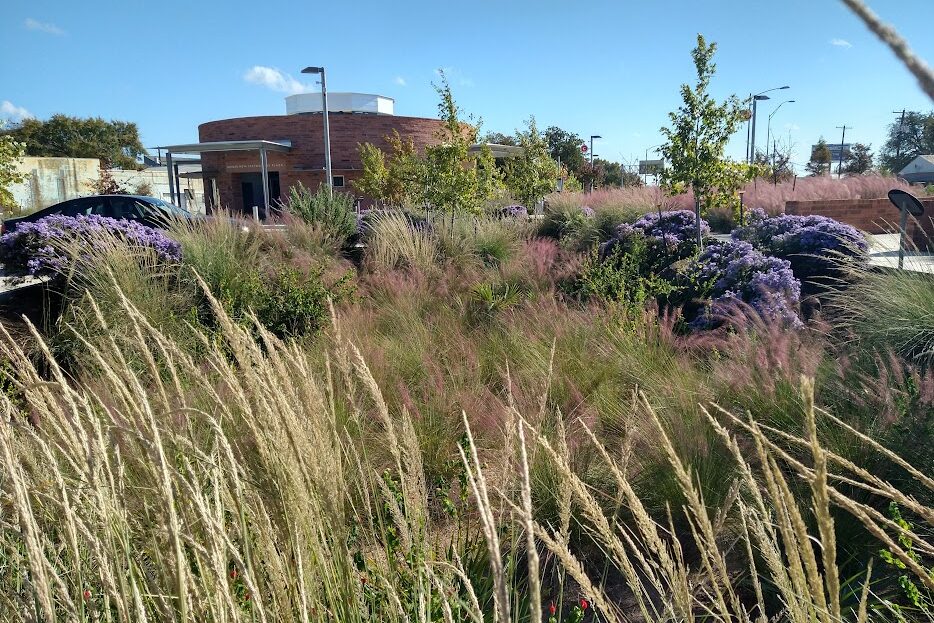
x,y
337,181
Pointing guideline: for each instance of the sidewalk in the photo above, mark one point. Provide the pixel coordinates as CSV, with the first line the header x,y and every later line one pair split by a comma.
x,y
883,251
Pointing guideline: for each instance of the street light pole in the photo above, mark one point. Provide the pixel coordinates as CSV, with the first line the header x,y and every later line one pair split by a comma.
x,y
327,130
768,129
592,180
751,137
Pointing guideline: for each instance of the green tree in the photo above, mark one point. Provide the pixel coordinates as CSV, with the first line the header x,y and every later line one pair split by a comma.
x,y
374,179
908,140
820,159
858,160
11,151
696,141
532,174
456,180
498,138
115,143
565,147
616,174
776,164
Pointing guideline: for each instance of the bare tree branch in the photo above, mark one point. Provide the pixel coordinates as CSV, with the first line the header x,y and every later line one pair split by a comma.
x,y
915,65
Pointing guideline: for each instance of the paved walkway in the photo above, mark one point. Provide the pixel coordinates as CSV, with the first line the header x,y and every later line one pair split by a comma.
x,y
883,251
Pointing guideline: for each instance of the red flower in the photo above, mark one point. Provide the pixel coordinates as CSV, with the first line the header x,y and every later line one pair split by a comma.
x,y
233,574
363,579
87,594
247,597
551,608
584,604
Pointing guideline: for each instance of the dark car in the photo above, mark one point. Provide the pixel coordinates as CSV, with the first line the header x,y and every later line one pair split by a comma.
x,y
148,211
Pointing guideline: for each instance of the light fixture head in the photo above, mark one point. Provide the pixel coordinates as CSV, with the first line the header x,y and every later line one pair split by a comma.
x,y
313,70
595,136
761,97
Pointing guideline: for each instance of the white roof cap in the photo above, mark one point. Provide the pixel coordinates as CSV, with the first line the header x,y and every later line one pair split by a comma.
x,y
340,102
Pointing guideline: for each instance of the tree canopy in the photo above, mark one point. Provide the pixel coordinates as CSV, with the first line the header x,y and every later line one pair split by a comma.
x,y
115,143
697,137
11,151
906,141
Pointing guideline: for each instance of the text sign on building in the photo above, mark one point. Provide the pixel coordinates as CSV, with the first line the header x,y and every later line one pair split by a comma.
x,y
651,167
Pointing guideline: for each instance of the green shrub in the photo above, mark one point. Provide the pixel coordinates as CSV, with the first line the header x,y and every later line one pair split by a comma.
x,y
621,277
290,303
885,309
330,210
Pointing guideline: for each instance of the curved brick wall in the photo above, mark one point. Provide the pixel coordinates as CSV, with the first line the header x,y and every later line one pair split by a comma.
x,y
305,162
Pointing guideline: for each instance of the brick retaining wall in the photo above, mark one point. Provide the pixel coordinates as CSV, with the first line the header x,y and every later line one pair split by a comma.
x,y
873,216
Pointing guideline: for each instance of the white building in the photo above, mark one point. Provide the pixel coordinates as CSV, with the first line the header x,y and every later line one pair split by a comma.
x,y
919,171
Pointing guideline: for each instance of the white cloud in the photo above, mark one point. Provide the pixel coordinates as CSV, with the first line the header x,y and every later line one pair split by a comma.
x,y
400,81
46,27
274,79
841,43
11,112
792,127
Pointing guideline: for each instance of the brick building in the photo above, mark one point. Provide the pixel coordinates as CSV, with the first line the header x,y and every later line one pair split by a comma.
x,y
292,145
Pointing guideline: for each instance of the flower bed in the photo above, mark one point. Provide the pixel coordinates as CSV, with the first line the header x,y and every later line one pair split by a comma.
x,y
733,274
670,236
814,245
38,248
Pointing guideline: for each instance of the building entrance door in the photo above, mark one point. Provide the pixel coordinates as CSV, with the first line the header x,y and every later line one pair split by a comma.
x,y
251,192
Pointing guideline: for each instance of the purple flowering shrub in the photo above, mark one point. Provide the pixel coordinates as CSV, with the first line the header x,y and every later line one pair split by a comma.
x,y
730,275
814,245
38,248
669,236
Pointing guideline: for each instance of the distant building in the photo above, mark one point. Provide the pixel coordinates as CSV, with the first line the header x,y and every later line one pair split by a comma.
x,y
919,171
290,147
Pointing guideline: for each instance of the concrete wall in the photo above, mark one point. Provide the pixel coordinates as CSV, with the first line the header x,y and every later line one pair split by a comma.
x,y
874,216
53,180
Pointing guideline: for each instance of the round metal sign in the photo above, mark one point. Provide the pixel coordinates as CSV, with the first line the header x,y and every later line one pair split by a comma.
x,y
906,201
583,149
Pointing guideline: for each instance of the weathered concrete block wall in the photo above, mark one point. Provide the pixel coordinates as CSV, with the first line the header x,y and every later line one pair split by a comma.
x,y
53,180
874,216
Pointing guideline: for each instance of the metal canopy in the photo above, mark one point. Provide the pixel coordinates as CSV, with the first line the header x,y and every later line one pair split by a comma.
x,y
498,151
262,146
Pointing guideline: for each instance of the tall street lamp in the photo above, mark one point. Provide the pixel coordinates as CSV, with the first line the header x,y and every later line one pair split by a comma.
x,y
768,126
592,136
327,131
751,136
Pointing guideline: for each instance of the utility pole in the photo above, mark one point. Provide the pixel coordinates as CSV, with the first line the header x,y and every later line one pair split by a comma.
x,y
898,135
842,142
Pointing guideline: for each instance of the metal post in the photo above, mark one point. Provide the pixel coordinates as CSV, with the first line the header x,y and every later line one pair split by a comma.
x,y
748,132
178,186
842,142
169,169
902,226
752,144
327,133
591,164
264,171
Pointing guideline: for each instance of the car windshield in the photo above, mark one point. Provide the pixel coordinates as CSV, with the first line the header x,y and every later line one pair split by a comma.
x,y
165,205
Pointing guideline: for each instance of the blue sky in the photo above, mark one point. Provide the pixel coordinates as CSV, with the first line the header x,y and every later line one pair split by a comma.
x,y
608,68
